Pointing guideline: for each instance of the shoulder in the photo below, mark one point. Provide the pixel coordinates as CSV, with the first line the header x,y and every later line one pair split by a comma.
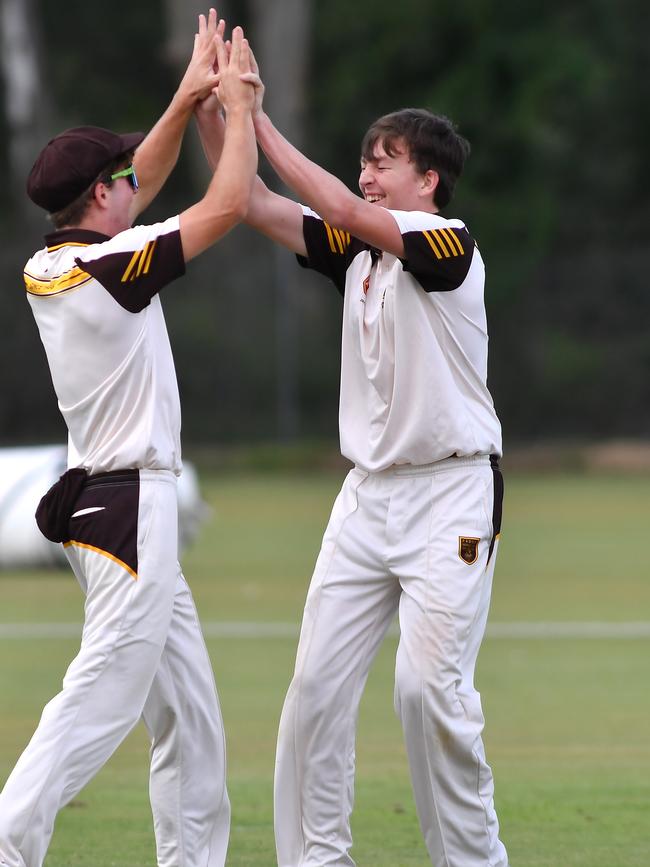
x,y
36,260
419,221
438,252
135,264
130,240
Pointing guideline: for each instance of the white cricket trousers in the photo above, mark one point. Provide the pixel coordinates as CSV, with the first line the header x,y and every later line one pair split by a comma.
x,y
142,655
420,541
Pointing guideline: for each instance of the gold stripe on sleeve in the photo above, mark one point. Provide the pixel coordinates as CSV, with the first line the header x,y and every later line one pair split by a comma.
x,y
331,238
149,257
441,243
432,244
338,234
127,274
143,259
453,241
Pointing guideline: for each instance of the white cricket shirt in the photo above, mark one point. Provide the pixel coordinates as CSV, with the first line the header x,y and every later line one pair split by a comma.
x,y
414,343
96,305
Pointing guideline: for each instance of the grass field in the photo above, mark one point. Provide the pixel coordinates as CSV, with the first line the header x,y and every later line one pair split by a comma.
x,y
567,719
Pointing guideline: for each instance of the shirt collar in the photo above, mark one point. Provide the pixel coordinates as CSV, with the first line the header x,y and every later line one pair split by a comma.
x,y
74,235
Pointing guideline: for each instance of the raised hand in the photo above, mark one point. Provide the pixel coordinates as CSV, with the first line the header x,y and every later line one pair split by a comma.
x,y
200,76
234,63
253,77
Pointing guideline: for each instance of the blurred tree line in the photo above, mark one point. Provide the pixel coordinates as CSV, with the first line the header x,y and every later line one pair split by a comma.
x,y
552,95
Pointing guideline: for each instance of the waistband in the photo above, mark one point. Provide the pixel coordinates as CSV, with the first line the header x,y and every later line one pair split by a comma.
x,y
452,463
128,477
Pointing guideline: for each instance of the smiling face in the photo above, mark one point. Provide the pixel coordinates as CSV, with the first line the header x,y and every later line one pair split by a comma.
x,y
393,181
435,149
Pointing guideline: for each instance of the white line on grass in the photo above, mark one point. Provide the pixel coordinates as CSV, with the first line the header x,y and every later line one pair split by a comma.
x,y
569,629
237,629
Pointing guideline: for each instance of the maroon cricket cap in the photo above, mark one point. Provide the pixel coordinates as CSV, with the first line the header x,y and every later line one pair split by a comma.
x,y
70,162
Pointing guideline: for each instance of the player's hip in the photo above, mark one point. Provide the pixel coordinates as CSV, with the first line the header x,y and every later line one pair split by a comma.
x,y
450,509
122,515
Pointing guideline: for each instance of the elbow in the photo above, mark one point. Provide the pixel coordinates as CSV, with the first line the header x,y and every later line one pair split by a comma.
x,y
243,209
242,204
236,210
239,211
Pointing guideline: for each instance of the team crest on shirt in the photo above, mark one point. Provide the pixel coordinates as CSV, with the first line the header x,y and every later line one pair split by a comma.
x,y
468,549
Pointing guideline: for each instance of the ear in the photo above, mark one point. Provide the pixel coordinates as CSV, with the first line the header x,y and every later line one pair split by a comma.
x,y
100,197
429,183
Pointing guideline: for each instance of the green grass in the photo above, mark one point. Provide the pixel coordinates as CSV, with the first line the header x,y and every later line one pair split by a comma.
x,y
567,720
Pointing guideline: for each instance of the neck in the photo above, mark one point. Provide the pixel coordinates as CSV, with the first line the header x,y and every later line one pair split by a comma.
x,y
95,222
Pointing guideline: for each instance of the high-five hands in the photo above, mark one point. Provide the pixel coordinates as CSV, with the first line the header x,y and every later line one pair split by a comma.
x,y
201,77
253,77
235,89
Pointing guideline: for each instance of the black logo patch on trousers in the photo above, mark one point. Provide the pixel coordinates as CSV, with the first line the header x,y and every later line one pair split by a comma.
x,y
468,549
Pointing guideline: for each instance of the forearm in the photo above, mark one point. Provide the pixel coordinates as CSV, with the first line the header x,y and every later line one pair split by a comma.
x,y
157,155
277,217
237,167
314,186
212,129
326,194
274,216
226,200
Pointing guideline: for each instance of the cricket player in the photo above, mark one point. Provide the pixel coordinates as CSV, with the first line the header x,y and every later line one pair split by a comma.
x,y
94,293
414,529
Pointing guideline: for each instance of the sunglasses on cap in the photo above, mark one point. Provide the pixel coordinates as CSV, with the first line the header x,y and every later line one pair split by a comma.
x,y
130,175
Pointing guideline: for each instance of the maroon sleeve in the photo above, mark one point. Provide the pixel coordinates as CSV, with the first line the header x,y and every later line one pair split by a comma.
x,y
329,251
135,270
439,259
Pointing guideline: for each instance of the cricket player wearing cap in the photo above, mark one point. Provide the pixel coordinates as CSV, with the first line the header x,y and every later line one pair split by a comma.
x,y
94,294
414,529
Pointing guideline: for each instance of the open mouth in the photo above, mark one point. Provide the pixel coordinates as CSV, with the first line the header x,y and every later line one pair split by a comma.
x,y
374,197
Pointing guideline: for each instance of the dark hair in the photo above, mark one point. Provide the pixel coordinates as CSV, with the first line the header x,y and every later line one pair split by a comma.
x,y
74,213
432,143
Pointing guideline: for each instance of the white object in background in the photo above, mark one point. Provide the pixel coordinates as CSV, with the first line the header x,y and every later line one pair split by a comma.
x,y
26,473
